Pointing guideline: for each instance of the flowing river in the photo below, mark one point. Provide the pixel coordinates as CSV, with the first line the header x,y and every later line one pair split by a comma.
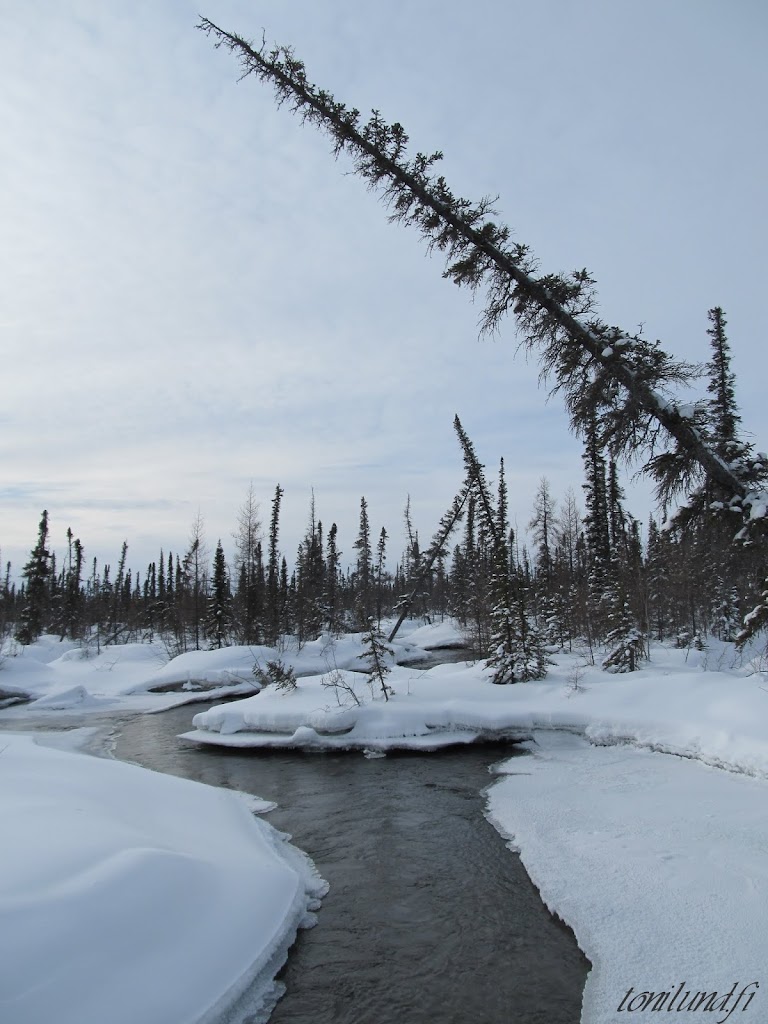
x,y
430,919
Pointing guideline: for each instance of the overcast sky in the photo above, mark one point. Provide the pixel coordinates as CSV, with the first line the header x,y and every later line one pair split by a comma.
x,y
194,295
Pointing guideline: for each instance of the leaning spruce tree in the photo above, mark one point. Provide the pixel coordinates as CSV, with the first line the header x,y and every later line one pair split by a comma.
x,y
620,379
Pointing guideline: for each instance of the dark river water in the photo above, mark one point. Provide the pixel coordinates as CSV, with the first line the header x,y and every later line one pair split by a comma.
x,y
430,919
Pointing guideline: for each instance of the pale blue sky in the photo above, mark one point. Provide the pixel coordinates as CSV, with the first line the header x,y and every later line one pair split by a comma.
x,y
194,295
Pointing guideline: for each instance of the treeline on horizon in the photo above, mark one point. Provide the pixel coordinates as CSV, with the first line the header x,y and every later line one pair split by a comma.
x,y
588,579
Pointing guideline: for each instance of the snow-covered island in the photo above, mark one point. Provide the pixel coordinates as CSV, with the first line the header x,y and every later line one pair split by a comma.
x,y
639,814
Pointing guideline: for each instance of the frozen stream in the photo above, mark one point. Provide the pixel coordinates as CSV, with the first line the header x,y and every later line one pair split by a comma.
x,y
429,917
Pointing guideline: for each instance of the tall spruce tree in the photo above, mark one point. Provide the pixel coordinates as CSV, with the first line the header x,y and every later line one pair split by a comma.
x,y
117,603
195,582
274,602
36,575
333,584
310,580
249,598
363,574
597,533
542,527
724,418
380,575
219,608
72,624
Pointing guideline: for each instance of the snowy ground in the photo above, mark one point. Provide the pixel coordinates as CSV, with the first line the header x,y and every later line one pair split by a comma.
x,y
659,865
658,862
694,704
60,675
130,896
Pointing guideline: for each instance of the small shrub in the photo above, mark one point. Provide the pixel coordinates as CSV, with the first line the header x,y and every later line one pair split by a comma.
x,y
343,691
276,673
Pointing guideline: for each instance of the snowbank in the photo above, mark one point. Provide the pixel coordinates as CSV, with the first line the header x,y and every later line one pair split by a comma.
x,y
427,710
130,896
657,864
71,697
141,677
59,674
435,636
718,716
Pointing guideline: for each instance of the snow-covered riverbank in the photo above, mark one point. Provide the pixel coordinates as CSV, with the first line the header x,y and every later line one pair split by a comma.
x,y
658,862
660,866
694,704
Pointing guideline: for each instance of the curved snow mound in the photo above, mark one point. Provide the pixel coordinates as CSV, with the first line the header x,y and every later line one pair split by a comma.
x,y
437,636
160,900
73,697
200,670
347,710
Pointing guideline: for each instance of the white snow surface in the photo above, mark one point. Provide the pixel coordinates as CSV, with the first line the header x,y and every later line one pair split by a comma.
x,y
130,896
659,865
688,703
55,675
435,635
